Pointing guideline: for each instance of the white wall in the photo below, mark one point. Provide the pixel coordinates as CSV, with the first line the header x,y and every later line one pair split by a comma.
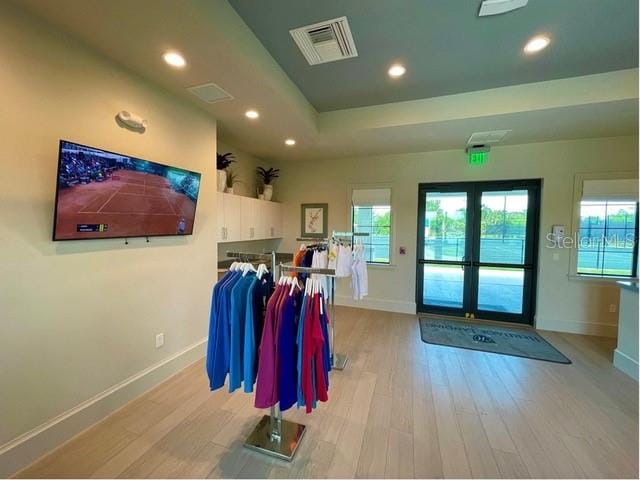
x,y
625,356
80,317
562,304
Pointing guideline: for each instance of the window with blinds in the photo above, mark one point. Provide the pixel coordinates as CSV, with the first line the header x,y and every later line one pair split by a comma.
x,y
608,228
371,213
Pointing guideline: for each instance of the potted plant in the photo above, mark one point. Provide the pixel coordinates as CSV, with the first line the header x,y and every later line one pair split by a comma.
x,y
223,160
232,179
267,177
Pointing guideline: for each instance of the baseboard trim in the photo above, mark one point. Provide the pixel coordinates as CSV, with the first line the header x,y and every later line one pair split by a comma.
x,y
584,328
377,304
626,364
28,447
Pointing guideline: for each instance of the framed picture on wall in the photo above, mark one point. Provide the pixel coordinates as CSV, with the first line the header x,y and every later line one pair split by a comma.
x,y
314,218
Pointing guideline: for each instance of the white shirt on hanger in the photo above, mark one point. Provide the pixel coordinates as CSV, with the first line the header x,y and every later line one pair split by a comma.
x,y
359,277
343,262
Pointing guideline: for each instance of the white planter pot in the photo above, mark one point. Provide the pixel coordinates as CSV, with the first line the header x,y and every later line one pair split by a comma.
x,y
222,180
268,192
229,190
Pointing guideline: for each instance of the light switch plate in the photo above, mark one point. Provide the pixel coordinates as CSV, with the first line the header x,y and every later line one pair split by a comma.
x,y
159,340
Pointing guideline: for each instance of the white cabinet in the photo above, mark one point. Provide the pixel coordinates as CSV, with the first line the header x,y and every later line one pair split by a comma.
x,y
229,221
249,214
220,218
245,218
272,225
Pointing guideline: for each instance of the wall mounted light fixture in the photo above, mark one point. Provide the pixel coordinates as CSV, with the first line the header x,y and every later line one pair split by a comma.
x,y
132,120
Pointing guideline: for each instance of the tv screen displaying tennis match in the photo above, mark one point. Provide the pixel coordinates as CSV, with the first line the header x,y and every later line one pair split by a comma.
x,y
102,194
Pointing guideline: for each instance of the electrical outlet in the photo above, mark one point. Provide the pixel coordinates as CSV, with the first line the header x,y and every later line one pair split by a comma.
x,y
613,308
159,340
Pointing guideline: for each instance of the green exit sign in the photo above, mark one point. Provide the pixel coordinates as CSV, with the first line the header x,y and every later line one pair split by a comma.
x,y
478,158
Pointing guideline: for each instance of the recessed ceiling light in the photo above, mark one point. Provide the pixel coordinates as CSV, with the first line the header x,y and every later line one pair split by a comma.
x,y
397,71
174,59
536,44
290,142
252,114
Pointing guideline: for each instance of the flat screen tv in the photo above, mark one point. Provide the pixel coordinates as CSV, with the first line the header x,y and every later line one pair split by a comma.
x,y
102,194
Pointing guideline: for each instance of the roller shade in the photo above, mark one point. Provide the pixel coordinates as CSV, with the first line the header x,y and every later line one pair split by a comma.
x,y
371,197
613,189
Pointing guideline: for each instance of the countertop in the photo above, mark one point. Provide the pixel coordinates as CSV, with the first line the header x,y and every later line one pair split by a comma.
x,y
631,285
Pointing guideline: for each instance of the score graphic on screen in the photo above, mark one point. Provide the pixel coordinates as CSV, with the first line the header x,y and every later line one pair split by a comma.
x,y
93,227
102,194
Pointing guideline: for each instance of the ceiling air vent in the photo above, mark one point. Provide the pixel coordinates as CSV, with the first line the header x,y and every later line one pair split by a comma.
x,y
210,93
325,41
487,138
496,7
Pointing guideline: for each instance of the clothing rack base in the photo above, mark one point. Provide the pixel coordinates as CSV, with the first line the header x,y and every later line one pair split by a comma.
x,y
276,437
339,361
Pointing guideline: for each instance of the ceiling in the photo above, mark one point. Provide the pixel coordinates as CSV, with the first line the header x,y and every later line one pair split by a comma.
x,y
221,48
445,46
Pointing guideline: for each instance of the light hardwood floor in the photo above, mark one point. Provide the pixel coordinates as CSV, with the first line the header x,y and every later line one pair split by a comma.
x,y
401,409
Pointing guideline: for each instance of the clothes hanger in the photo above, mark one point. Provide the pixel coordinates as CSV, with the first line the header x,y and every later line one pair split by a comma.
x,y
248,268
294,284
262,269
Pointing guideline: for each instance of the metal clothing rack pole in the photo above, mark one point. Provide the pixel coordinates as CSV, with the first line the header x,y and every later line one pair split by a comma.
x,y
350,234
338,360
312,239
252,256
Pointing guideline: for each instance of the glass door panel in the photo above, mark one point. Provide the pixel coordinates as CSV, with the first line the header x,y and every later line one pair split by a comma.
x,y
443,286
444,240
445,225
500,289
503,226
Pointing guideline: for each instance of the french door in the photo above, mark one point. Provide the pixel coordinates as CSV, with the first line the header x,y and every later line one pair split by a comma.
x,y
477,249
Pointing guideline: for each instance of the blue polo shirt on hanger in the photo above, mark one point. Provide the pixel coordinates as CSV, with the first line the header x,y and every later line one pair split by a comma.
x,y
222,340
237,320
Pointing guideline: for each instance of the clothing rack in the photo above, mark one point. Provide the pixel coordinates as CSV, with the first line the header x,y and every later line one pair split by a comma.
x,y
272,435
338,360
